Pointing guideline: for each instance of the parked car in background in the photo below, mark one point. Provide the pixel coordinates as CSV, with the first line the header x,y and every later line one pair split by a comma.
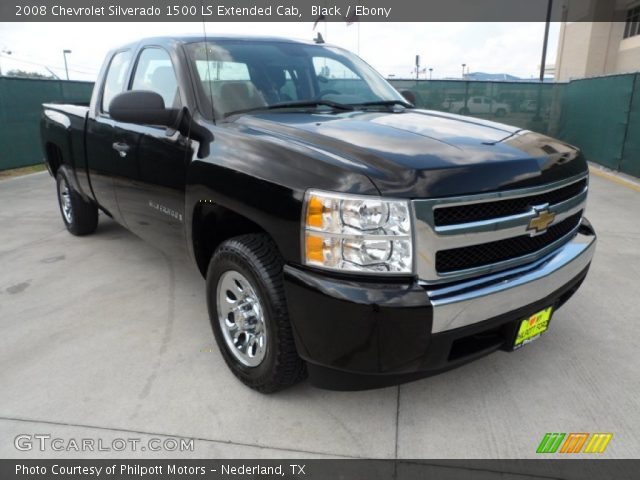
x,y
480,106
531,106
446,103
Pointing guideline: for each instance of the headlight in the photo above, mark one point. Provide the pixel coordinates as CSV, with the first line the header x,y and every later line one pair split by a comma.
x,y
357,233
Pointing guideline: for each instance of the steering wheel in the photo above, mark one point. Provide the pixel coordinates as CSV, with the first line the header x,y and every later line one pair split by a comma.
x,y
326,92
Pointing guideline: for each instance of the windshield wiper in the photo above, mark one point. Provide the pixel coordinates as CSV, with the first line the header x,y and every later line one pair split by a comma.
x,y
384,103
299,104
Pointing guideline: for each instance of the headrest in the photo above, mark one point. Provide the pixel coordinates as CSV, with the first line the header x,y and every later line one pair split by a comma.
x,y
234,89
276,76
163,76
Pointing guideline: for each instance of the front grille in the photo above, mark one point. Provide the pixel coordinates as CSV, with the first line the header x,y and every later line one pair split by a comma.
x,y
503,208
501,250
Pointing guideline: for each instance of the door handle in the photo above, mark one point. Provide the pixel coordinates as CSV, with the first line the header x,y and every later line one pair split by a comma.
x,y
121,148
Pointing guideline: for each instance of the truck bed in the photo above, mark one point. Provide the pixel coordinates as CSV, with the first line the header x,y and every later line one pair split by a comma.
x,y
63,137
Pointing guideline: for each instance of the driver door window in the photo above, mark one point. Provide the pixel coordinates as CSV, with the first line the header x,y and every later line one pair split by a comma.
x,y
155,72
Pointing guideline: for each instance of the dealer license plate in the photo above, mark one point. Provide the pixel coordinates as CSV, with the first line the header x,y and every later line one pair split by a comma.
x,y
531,328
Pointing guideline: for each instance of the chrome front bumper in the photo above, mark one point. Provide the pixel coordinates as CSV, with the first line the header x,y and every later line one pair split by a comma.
x,y
489,296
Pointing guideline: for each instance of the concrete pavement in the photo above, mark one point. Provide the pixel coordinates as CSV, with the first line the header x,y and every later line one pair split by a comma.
x,y
105,337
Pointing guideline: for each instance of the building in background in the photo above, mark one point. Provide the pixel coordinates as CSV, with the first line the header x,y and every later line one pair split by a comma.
x,y
495,77
587,49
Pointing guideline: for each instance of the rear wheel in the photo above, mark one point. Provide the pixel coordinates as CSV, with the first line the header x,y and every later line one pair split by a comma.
x,y
464,111
501,112
249,316
80,217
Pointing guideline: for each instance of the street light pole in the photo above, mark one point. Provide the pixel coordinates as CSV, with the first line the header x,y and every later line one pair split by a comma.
x,y
66,69
430,73
463,65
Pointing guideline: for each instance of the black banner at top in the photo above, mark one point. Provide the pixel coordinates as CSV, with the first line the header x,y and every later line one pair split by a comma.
x,y
310,11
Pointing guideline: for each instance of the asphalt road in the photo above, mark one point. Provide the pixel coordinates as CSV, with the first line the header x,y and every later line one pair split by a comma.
x,y
104,337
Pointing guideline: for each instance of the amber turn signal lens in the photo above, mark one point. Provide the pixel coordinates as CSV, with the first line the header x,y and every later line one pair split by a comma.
x,y
314,247
315,209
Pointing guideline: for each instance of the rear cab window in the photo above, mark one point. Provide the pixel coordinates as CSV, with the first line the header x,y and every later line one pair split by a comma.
x,y
115,79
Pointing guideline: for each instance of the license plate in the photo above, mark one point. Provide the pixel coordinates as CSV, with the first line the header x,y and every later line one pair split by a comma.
x,y
531,328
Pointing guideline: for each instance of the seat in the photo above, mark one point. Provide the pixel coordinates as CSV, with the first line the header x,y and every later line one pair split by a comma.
x,y
235,96
276,79
163,81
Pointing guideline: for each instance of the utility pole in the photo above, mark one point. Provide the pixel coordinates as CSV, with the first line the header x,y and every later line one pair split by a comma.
x,y
66,69
543,62
417,66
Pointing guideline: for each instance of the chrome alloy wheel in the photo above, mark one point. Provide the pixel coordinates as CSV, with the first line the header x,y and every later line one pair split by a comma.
x,y
64,194
241,318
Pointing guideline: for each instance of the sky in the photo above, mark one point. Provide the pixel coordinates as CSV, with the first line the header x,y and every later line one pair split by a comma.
x,y
513,48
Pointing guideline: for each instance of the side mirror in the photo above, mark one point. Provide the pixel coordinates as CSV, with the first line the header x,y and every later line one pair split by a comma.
x,y
147,108
143,107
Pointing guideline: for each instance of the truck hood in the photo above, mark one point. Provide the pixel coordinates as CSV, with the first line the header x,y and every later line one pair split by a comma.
x,y
418,153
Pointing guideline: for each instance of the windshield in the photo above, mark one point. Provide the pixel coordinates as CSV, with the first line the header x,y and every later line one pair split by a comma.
x,y
240,76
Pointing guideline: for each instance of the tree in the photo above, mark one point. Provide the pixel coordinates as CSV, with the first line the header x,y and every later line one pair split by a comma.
x,y
25,74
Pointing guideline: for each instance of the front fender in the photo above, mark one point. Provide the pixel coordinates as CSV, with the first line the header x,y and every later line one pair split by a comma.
x,y
263,179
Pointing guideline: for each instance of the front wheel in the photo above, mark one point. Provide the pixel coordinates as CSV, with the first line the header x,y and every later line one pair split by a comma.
x,y
79,216
249,316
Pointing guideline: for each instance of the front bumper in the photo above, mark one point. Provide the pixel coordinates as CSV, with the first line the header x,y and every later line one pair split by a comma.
x,y
357,334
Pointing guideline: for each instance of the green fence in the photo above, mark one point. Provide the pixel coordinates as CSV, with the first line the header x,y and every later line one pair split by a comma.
x,y
630,161
600,115
526,105
20,107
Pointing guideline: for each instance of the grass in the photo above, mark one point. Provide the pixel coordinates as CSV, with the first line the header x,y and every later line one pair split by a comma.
x,y
17,172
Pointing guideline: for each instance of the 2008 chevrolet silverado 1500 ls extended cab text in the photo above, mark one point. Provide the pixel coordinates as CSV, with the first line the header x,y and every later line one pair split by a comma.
x,y
342,232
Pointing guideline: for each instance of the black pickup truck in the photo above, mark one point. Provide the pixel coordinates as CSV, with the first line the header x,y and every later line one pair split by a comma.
x,y
343,233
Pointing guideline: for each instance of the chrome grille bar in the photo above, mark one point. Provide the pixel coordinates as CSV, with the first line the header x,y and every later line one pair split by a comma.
x,y
431,239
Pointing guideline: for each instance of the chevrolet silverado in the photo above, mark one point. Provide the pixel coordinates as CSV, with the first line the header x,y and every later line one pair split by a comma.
x,y
343,233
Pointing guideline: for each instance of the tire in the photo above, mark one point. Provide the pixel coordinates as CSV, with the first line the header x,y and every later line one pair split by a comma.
x,y
464,111
80,217
248,268
501,112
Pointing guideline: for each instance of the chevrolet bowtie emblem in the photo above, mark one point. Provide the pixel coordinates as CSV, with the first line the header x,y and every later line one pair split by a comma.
x,y
541,221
